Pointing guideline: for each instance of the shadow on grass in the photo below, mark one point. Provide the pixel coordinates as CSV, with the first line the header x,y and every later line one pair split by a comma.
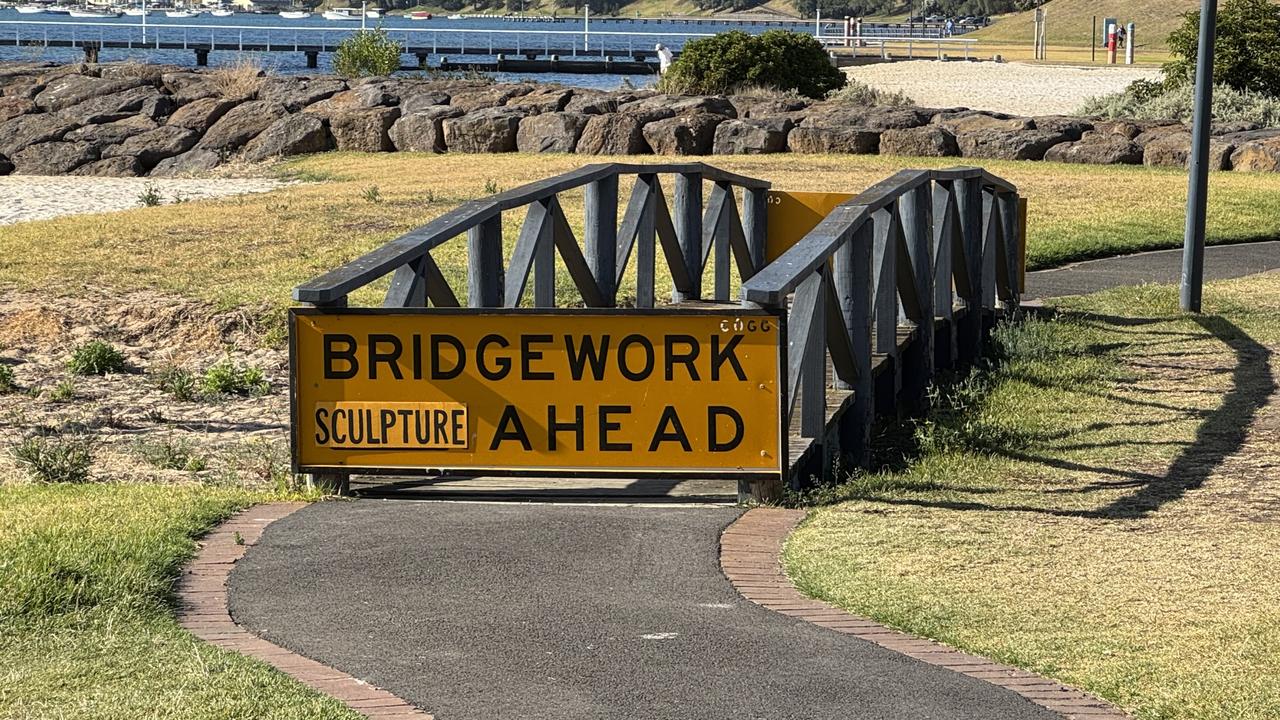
x,y
1220,434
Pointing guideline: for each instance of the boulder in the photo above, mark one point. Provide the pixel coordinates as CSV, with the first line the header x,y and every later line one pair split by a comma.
x,y
53,158
1257,155
187,86
241,124
423,100
1117,127
12,107
144,100
1073,127
68,90
423,130
1155,132
364,130
1097,149
750,106
188,163
924,141
123,166
491,130
970,121
751,137
683,135
6,166
296,134
1174,150
488,96
896,118
1233,127
296,93
591,102
550,132
27,130
375,94
26,88
151,147
1008,144
612,134
200,115
544,100
153,75
811,139
662,107
112,133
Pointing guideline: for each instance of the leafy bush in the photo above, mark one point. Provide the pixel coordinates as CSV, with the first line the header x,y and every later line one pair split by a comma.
x,y
64,391
177,382
1246,54
96,358
859,93
367,52
227,378
1145,100
777,59
7,382
56,459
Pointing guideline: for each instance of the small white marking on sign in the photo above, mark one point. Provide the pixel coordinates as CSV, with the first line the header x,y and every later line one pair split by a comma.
x,y
660,636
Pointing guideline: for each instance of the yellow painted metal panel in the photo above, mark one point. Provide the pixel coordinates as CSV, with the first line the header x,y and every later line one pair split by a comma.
x,y
460,390
793,214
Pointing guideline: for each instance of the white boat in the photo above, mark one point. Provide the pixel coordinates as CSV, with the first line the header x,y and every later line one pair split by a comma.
x,y
295,14
58,10
180,13
87,13
30,9
222,12
136,12
372,14
455,16
341,15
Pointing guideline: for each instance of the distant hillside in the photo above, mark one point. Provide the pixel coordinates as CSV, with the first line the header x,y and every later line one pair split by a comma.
x,y
1070,21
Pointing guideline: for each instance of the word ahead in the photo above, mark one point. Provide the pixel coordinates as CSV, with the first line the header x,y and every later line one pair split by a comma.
x,y
536,392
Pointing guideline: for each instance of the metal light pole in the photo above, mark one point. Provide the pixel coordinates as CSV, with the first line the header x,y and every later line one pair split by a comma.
x,y
1198,183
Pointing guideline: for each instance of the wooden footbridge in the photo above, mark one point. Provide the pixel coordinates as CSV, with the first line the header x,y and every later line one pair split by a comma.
x,y
505,372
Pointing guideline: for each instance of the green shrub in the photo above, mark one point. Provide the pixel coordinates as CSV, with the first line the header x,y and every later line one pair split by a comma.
x,y
859,93
96,358
177,382
367,52
227,378
64,391
7,382
170,454
1246,54
776,59
1145,100
56,459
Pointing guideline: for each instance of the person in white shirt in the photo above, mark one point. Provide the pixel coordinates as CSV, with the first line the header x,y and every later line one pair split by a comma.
x,y
665,57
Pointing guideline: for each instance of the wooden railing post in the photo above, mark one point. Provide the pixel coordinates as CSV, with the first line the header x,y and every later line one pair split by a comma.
x,y
646,244
990,240
917,226
885,310
484,266
945,226
544,264
969,329
720,242
601,238
852,277
688,226
755,222
1010,249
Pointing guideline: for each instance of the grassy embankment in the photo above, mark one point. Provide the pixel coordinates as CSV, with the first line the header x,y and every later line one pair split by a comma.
x,y
1094,510
1070,28
86,628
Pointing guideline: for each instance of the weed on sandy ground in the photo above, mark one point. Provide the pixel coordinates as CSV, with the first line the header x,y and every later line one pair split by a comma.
x,y
1101,508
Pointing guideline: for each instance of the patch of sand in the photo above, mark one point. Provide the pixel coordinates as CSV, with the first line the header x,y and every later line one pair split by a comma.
x,y
37,197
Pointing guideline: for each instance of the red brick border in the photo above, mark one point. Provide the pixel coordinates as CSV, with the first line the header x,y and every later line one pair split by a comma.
x,y
750,555
202,609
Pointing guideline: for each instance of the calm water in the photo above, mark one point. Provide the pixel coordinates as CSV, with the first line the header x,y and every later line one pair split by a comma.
x,y
28,32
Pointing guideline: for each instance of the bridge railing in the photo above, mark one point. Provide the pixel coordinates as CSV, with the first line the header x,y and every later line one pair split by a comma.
x,y
896,282
690,234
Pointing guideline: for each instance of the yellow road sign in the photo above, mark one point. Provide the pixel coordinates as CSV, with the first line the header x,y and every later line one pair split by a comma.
x,y
793,214
515,391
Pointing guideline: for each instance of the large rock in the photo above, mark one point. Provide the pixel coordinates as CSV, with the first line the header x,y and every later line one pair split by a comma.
x,y
151,147
1097,149
423,99
592,102
144,100
612,134
972,121
26,88
550,132
296,93
1008,144
896,118
663,107
1073,127
200,115
112,133
112,167
364,130
684,135
12,107
751,137
1257,155
191,162
543,100
241,124
6,165
1174,150
492,130
153,75
924,141
1128,129
53,158
296,134
377,94
27,130
485,97
187,86
423,130
810,139
751,106
69,90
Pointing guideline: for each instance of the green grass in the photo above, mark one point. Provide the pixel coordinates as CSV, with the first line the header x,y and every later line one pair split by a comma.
x,y
1070,22
276,240
1092,510
86,623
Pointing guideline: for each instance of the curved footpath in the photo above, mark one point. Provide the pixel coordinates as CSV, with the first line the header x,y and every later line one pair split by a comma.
x,y
492,610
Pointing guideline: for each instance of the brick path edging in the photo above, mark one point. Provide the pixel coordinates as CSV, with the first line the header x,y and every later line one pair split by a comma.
x,y
751,557
202,609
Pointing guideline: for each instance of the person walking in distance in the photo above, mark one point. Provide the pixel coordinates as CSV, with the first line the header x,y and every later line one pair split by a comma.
x,y
665,57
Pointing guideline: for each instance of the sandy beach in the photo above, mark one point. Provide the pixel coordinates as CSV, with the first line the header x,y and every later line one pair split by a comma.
x,y
1015,88
34,197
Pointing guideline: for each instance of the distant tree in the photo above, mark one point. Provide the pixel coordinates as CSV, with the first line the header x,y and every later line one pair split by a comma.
x,y
1246,51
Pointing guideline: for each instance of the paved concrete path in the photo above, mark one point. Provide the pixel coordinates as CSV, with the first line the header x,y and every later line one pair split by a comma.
x,y
486,611
1164,266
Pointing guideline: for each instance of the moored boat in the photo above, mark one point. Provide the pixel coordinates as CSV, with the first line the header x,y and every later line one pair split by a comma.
x,y
372,14
136,12
99,14
341,14
222,12
420,15
180,13
295,14
30,9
